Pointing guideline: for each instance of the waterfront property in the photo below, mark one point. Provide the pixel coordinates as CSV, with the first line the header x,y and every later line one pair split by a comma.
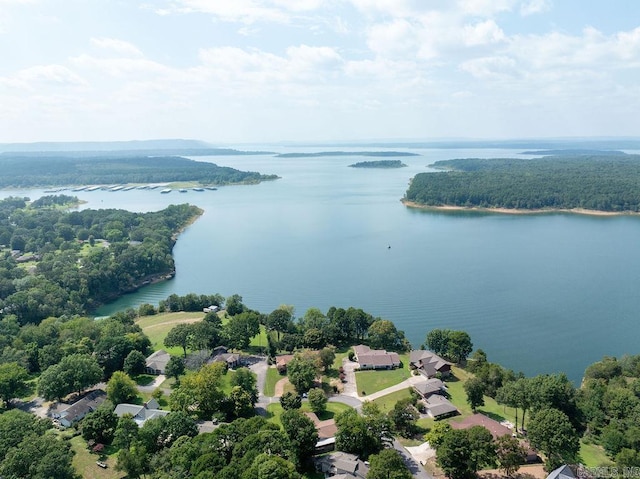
x,y
429,364
368,358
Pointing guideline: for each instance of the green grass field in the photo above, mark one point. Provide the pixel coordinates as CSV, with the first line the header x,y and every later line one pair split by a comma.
x,y
592,455
374,381
274,411
386,403
84,461
273,376
158,326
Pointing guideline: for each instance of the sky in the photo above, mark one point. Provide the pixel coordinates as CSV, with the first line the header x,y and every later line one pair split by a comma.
x,y
259,71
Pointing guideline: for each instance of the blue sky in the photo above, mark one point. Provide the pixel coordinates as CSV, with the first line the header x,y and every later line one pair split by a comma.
x,y
239,71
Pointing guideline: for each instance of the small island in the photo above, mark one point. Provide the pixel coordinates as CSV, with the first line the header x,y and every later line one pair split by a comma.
x,y
594,184
378,164
321,154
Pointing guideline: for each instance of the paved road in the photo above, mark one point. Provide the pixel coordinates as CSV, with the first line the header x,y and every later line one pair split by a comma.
x,y
416,469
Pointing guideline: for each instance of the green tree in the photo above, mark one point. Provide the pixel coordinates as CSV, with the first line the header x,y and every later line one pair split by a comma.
x,y
135,363
39,457
200,392
437,433
483,452
438,341
126,432
552,433
240,403
459,346
239,330
121,388
175,368
317,400
266,466
475,393
302,434
279,320
388,464
134,461
12,382
234,305
384,335
290,400
179,335
327,356
404,417
302,371
73,373
15,425
247,381
509,454
99,425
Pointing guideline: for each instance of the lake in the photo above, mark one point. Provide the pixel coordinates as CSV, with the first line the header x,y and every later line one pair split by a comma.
x,y
538,293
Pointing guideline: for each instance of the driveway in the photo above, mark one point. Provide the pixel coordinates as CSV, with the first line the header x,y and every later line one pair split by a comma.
x,y
416,469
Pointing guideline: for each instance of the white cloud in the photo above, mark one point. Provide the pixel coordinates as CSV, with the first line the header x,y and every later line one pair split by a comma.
x,y
484,8
118,46
483,33
532,7
491,67
37,76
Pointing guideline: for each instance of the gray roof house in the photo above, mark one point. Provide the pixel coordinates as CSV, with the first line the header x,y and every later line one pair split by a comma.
x,y
157,362
375,358
563,472
428,386
222,354
341,464
80,408
429,364
439,407
141,414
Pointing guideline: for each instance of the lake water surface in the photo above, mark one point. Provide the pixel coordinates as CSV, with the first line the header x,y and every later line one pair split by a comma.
x,y
539,293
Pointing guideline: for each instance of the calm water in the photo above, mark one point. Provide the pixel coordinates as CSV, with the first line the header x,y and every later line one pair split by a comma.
x,y
540,293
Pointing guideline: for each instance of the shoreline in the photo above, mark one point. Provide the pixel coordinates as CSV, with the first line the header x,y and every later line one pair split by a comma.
x,y
513,211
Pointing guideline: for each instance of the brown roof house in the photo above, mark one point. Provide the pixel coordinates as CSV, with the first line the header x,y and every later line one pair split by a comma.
x,y
157,362
429,364
375,358
222,354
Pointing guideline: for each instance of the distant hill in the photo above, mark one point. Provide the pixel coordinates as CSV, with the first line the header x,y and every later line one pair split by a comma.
x,y
106,145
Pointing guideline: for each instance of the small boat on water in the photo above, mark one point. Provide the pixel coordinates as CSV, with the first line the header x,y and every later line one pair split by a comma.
x,y
198,189
212,188
182,190
166,190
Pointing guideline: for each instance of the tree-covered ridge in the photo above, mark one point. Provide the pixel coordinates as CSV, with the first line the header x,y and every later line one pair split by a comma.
x,y
594,182
20,170
379,164
56,263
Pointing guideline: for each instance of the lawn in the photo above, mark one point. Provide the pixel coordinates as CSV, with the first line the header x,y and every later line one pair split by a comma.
x,y
85,462
386,403
374,381
157,326
274,411
273,376
592,455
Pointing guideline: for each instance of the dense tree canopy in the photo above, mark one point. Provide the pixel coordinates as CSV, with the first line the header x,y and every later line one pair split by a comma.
x,y
596,182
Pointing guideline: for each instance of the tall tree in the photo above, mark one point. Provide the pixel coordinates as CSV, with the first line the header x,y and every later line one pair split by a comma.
x,y
12,382
509,454
175,368
475,393
302,371
302,435
317,400
73,373
552,433
121,388
179,335
388,464
279,320
99,425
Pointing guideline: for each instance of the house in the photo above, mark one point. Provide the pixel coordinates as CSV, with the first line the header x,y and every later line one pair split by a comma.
x,y
157,362
222,354
563,472
375,358
495,428
80,408
428,386
141,414
326,429
439,407
282,361
429,364
341,465
211,309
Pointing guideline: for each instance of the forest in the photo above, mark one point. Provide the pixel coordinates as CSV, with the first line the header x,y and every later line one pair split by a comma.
x,y
55,262
599,182
321,154
28,170
379,164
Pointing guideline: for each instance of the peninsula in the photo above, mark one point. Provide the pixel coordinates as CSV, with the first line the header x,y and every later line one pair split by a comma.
x,y
379,164
596,183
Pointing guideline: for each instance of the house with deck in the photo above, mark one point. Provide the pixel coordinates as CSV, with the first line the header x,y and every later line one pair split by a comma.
x,y
157,362
141,414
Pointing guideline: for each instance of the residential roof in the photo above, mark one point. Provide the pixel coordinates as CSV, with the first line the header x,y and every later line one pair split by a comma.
x,y
423,357
439,405
428,386
283,359
563,472
326,429
158,360
342,463
495,428
375,357
83,406
140,414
